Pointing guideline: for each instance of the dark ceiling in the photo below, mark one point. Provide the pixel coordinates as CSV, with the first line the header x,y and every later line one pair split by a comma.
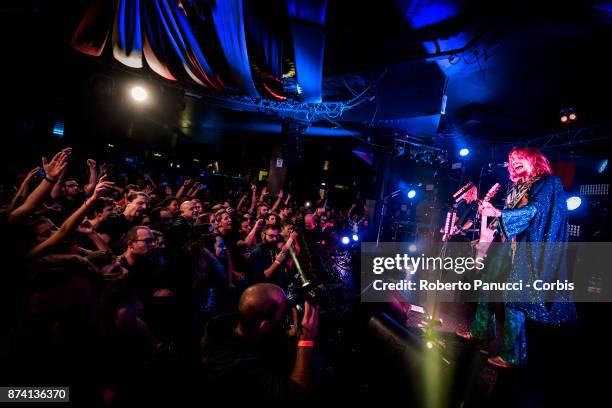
x,y
506,70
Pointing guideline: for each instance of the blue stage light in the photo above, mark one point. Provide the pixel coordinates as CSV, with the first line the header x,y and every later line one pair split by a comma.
x,y
573,203
345,240
602,166
411,194
464,152
58,128
355,237
412,248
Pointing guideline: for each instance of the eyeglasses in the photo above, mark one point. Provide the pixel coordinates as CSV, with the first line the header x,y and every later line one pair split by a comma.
x,y
146,240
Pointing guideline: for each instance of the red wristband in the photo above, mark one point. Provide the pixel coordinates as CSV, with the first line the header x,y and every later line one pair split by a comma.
x,y
305,343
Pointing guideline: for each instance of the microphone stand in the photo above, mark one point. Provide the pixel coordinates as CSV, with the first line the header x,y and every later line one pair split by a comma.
x,y
383,211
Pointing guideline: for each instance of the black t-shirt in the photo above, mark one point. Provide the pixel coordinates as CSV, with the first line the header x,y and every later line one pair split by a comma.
x,y
261,258
144,277
241,370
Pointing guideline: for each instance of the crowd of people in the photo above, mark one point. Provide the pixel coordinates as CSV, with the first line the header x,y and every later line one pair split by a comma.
x,y
117,285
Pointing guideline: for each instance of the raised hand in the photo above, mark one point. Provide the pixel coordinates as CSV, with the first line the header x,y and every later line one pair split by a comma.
x,y
104,168
91,163
101,187
33,173
85,227
310,322
57,165
280,194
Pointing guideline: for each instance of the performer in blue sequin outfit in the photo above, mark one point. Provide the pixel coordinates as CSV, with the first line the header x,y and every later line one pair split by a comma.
x,y
535,212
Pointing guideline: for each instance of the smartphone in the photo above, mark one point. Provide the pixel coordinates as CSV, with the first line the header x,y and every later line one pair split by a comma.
x,y
41,172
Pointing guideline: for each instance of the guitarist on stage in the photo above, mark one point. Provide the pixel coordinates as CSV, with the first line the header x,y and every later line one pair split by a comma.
x,y
535,211
466,209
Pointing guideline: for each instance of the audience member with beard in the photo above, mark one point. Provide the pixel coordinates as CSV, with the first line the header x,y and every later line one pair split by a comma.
x,y
268,262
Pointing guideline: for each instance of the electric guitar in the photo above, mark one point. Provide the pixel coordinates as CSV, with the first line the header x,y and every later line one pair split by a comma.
x,y
486,233
450,227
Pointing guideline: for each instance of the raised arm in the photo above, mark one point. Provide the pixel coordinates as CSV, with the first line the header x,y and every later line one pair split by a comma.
x,y
277,202
264,193
181,190
148,178
194,190
93,177
23,190
53,170
253,198
56,192
73,222
244,196
302,369
250,238
87,229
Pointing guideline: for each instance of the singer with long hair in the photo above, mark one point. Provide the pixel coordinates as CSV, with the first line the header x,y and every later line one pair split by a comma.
x,y
535,211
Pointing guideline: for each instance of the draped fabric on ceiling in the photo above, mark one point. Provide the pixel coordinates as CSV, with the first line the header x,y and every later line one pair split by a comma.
x,y
127,38
187,48
92,33
307,28
177,37
265,33
156,46
229,23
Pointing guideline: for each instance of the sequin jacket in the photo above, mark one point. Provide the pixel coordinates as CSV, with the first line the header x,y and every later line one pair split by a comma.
x,y
542,220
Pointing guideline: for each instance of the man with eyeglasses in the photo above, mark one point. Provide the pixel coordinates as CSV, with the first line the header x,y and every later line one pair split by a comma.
x,y
139,243
136,260
267,261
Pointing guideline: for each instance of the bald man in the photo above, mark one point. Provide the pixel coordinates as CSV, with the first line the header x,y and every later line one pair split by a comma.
x,y
245,353
180,232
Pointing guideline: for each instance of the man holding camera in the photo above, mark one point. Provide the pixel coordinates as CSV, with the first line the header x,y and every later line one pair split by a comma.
x,y
268,263
242,353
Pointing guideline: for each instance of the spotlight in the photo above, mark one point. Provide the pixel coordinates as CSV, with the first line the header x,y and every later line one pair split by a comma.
x,y
568,115
412,248
573,203
307,204
429,344
345,240
355,237
411,194
464,152
602,166
139,94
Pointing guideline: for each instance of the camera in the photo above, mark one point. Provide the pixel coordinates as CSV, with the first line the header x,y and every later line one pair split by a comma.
x,y
315,294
